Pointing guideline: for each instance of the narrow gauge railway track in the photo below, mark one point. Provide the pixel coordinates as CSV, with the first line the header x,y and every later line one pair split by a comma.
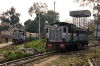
x,y
93,46
22,61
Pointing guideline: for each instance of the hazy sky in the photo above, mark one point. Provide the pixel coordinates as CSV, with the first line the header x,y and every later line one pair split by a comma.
x,y
62,7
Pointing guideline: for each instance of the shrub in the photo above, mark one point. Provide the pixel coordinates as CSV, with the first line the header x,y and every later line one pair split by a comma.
x,y
12,55
20,54
38,45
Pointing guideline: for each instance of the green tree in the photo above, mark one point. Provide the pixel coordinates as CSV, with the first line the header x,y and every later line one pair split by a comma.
x,y
3,27
31,25
50,16
10,17
40,8
19,26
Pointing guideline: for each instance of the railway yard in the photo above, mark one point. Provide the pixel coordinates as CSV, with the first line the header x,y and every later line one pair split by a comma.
x,y
64,44
89,56
47,40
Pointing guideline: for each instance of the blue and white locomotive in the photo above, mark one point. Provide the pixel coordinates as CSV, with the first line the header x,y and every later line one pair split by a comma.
x,y
62,35
20,36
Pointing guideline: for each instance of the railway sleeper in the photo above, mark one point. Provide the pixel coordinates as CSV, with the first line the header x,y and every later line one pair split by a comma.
x,y
19,64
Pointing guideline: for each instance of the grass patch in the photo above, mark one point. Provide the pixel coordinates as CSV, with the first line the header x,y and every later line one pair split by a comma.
x,y
38,45
92,40
19,51
11,55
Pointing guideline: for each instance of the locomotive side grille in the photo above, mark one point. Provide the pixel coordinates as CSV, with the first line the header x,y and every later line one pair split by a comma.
x,y
59,34
55,35
17,35
50,34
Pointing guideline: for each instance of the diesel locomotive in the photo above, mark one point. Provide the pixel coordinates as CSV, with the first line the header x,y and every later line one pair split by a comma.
x,y
63,36
20,36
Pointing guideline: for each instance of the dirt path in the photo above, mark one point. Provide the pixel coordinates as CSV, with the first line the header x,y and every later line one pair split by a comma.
x,y
5,44
47,61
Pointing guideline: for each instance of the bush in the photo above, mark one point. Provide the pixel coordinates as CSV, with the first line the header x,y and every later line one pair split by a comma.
x,y
12,52
38,45
21,54
12,55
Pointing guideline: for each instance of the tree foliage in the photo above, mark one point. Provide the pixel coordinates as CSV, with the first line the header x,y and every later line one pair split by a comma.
x,y
91,25
50,16
40,9
31,26
10,17
4,27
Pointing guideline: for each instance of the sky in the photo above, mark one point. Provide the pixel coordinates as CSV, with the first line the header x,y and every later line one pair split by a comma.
x,y
61,6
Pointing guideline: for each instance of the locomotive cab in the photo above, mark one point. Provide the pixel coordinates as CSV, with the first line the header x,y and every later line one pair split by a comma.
x,y
18,36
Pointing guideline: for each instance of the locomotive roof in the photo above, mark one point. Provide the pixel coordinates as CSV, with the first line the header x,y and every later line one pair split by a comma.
x,y
19,30
62,23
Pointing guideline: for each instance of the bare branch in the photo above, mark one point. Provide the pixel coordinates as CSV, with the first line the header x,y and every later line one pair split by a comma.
x,y
42,7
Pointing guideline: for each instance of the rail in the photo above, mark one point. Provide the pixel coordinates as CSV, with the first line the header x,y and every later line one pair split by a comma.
x,y
22,61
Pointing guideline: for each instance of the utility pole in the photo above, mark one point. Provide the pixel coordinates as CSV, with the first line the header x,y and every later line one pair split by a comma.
x,y
39,25
38,18
54,11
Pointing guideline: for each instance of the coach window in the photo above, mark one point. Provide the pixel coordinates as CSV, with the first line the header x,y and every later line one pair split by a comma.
x,y
47,30
69,30
64,29
77,32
